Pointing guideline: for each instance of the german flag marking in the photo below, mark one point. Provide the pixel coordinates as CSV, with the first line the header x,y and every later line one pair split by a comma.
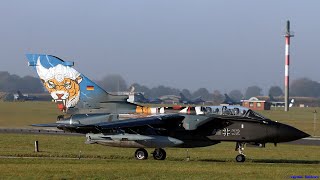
x,y
90,88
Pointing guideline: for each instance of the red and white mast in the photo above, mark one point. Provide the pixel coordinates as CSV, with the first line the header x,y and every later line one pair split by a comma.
x,y
287,63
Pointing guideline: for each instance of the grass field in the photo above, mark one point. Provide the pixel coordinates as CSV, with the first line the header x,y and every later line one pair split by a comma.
x,y
59,155
100,162
119,169
301,118
22,114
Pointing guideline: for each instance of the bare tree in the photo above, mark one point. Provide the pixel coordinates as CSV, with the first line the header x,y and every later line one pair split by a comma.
x,y
253,91
13,83
275,91
217,97
236,95
203,92
113,83
305,87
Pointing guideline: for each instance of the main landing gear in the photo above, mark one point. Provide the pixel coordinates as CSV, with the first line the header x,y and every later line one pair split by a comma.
x,y
158,154
240,148
141,154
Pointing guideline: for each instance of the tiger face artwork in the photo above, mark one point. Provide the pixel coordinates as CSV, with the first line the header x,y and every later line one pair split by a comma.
x,y
62,82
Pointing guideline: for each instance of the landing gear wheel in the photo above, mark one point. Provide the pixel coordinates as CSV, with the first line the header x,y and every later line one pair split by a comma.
x,y
240,148
159,154
141,154
240,158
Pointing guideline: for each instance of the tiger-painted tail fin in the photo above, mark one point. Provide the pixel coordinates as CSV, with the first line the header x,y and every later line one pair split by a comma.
x,y
69,88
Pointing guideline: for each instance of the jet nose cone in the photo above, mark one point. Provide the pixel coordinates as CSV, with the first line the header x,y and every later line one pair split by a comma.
x,y
288,133
304,135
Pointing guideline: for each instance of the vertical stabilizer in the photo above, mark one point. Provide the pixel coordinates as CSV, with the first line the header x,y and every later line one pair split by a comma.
x,y
68,87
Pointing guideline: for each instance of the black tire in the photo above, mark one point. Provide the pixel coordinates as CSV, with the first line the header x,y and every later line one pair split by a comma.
x,y
240,158
141,154
159,154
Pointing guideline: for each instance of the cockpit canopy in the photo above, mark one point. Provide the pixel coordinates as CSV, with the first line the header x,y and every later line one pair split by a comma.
x,y
232,111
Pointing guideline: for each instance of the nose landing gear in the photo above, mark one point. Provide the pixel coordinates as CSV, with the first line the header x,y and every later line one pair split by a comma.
x,y
240,148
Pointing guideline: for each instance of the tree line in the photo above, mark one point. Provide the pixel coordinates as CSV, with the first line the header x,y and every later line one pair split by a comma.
x,y
302,87
11,83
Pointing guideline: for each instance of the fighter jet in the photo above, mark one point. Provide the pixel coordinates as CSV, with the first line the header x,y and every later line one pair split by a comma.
x,y
276,103
228,100
139,97
21,97
97,114
185,100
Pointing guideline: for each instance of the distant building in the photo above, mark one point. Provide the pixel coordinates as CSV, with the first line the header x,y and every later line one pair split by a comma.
x,y
256,104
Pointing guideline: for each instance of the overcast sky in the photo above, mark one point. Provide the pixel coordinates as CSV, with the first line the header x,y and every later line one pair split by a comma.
x,y
221,45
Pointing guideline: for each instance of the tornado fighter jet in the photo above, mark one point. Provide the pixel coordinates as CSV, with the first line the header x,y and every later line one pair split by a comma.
x,y
90,110
228,100
184,100
141,99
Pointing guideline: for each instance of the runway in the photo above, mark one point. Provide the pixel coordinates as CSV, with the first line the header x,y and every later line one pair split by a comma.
x,y
311,141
